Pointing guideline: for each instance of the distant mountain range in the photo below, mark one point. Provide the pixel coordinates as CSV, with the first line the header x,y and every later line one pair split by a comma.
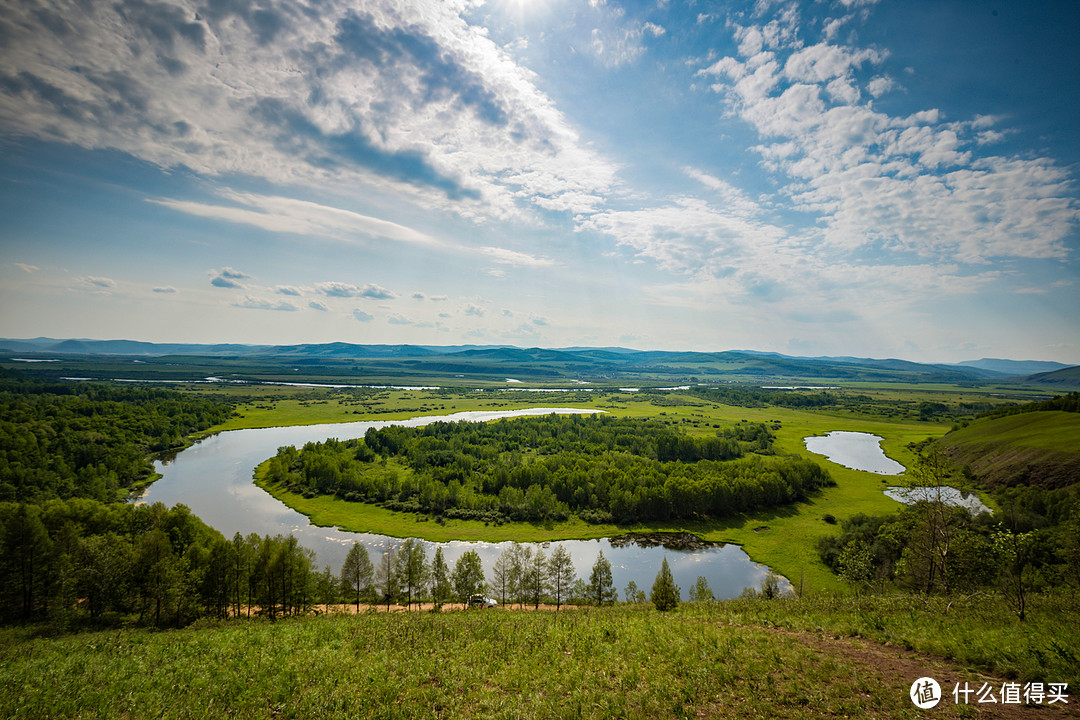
x,y
569,362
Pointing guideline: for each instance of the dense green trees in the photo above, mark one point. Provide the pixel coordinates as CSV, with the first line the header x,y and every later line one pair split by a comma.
x,y
64,440
602,468
66,559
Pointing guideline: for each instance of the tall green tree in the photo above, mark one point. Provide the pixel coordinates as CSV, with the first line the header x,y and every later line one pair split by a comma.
x,y
502,577
701,592
386,577
560,575
535,573
413,570
440,579
665,593
357,574
519,556
468,576
601,587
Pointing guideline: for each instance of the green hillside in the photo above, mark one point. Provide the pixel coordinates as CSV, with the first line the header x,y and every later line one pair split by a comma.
x,y
823,656
1035,448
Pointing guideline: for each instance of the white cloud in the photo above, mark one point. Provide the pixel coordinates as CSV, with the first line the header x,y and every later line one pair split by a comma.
x,y
909,184
99,282
256,303
389,95
288,290
26,268
362,316
228,278
165,290
513,257
315,305
348,290
398,319
300,217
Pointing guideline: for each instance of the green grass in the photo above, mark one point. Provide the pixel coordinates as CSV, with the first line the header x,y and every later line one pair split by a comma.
x,y
744,659
1053,431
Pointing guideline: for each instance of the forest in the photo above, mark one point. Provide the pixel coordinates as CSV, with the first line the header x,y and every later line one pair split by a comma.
x,y
600,468
70,439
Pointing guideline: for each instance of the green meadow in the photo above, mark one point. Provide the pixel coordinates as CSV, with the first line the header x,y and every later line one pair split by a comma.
x,y
821,656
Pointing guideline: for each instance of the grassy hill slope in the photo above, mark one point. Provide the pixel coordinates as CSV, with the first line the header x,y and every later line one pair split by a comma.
x,y
1036,448
741,659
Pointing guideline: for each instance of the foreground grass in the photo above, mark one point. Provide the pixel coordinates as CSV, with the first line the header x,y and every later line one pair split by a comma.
x,y
745,659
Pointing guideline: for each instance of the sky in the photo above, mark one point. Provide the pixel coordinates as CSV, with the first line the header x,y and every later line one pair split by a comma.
x,y
835,177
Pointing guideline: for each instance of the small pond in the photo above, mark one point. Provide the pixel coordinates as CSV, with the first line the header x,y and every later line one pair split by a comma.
x,y
943,493
855,450
214,479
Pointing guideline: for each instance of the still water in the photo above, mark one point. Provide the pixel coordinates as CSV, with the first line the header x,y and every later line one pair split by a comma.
x,y
214,479
856,450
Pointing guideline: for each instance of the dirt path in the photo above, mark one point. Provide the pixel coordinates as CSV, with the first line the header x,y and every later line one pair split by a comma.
x,y
896,668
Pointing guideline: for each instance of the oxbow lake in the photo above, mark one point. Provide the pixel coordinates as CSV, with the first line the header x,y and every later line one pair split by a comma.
x,y
214,479
855,450
862,451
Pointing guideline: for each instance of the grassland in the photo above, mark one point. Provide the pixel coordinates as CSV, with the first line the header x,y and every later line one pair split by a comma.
x,y
815,657
1041,447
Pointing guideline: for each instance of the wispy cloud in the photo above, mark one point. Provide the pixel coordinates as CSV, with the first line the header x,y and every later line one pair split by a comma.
x,y
299,217
256,303
98,283
513,257
260,303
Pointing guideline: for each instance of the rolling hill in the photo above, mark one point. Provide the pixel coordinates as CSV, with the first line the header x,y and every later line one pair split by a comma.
x,y
1034,448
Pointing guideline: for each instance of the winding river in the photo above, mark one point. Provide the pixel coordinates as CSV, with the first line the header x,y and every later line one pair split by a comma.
x,y
214,479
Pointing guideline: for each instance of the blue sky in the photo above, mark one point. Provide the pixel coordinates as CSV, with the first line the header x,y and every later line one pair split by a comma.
x,y
852,177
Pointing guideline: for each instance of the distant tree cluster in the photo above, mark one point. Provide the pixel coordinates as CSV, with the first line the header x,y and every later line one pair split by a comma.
x,y
1063,403
602,468
932,547
64,440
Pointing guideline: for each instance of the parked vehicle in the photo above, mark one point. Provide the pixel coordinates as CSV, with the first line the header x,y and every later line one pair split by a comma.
x,y
479,601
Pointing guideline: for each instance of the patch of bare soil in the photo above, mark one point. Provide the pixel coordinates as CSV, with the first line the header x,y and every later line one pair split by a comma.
x,y
896,669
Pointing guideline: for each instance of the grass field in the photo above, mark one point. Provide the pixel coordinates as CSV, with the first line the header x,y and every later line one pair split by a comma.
x,y
1042,447
817,657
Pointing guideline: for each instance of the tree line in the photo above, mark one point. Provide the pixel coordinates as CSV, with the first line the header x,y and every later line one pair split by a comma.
x,y
65,440
1032,544
601,468
82,561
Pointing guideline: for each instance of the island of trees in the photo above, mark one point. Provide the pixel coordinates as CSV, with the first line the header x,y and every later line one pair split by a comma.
x,y
600,468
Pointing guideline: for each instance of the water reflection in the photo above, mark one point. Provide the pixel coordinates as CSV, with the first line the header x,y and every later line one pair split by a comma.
x,y
214,479
855,450
942,493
